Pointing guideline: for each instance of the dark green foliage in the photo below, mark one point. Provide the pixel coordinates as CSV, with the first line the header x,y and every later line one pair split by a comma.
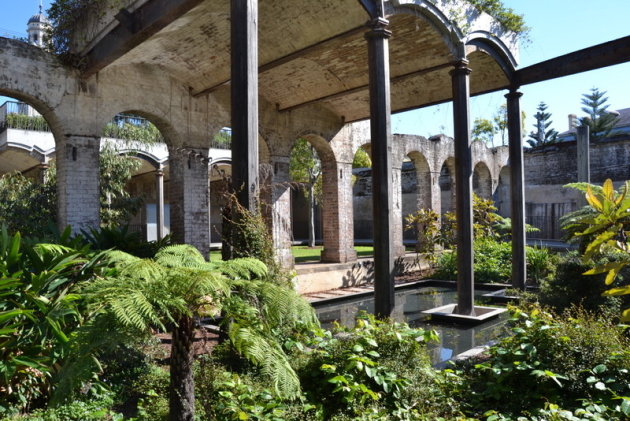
x,y
551,360
599,120
145,133
571,287
504,15
374,369
26,206
120,238
493,263
117,205
26,122
39,310
95,409
543,135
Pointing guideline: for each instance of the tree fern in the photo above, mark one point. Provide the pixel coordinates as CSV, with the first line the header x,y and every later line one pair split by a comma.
x,y
267,354
180,255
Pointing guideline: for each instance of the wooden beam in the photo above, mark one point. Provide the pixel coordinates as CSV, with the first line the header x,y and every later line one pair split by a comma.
x,y
591,58
285,59
382,177
517,189
364,87
244,71
463,189
133,29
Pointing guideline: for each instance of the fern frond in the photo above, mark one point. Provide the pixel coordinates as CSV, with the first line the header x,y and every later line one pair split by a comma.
x,y
180,255
117,258
273,362
242,268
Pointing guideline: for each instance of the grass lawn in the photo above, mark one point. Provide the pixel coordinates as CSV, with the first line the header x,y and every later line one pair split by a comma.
x,y
306,254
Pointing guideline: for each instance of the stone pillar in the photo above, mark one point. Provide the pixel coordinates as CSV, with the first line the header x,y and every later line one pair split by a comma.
x,y
244,94
159,211
78,177
463,189
337,212
436,193
583,160
281,210
382,179
42,173
517,189
397,216
189,192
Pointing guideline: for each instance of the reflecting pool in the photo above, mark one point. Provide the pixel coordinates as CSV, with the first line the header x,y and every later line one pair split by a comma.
x,y
454,339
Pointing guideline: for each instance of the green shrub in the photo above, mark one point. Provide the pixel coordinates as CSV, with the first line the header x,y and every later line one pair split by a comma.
x,y
551,360
493,263
99,409
570,286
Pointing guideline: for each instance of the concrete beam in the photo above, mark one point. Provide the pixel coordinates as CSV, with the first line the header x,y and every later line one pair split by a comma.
x,y
591,58
133,29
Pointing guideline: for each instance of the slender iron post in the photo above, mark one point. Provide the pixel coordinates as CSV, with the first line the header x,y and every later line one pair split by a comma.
x,y
159,179
244,85
463,188
517,189
382,195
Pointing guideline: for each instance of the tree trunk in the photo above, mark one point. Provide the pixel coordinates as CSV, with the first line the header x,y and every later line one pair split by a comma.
x,y
182,386
311,215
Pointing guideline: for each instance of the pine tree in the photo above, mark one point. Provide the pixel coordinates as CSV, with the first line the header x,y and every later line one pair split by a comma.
x,y
599,120
543,135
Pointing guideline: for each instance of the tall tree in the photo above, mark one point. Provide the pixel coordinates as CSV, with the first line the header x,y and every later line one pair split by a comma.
x,y
599,120
483,131
306,168
542,135
501,123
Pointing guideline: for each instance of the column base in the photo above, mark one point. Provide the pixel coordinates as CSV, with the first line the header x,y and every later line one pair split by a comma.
x,y
285,259
338,255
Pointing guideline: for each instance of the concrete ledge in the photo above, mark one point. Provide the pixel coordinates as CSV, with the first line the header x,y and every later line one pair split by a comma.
x,y
317,277
447,313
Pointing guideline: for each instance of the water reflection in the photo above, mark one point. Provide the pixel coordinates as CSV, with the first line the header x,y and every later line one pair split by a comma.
x,y
409,304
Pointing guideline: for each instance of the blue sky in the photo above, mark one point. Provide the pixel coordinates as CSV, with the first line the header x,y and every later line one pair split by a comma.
x,y
558,27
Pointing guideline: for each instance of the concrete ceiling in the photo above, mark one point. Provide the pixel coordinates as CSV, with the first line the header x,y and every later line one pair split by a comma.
x,y
312,52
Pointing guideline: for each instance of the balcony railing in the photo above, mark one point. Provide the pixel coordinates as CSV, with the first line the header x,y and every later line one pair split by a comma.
x,y
132,128
222,140
18,115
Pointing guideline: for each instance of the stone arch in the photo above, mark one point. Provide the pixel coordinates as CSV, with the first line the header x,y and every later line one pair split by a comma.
x,y
429,12
495,48
482,180
169,134
362,196
415,187
447,185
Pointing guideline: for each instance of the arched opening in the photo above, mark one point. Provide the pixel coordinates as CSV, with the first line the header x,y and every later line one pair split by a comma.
x,y
306,176
134,176
416,189
447,186
28,196
482,181
220,175
362,194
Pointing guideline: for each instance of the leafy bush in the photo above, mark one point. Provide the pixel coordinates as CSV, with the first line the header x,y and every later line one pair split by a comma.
x,y
551,360
493,263
377,369
26,206
38,311
571,287
97,409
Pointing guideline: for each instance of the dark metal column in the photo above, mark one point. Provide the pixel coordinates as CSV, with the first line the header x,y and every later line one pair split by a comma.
x,y
517,189
244,84
463,189
382,182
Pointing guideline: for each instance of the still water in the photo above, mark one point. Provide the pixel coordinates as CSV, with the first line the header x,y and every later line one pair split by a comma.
x,y
454,339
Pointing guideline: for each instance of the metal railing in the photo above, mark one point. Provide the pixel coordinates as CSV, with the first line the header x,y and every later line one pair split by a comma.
x,y
133,128
222,140
20,116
